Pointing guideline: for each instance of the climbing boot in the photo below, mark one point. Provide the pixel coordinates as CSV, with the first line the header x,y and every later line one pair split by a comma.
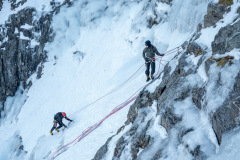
x,y
152,76
51,133
57,130
148,78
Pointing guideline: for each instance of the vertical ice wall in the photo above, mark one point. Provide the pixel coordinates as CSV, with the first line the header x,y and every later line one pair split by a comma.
x,y
185,15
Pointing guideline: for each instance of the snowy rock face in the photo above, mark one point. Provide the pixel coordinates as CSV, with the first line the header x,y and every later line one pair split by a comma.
x,y
15,4
197,98
227,39
226,117
166,1
22,41
22,48
1,3
215,12
195,48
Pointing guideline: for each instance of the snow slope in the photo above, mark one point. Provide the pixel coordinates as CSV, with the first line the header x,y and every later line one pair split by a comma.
x,y
109,38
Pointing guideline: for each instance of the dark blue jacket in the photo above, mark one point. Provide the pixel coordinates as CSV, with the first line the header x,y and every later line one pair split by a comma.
x,y
58,117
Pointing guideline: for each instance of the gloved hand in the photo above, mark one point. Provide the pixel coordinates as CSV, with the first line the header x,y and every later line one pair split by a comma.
x,y
161,54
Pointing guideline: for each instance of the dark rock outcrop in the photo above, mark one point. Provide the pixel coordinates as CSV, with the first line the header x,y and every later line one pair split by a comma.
x,y
15,5
1,3
225,2
197,96
168,119
227,116
166,1
215,12
19,55
195,48
140,140
102,151
227,39
22,41
238,10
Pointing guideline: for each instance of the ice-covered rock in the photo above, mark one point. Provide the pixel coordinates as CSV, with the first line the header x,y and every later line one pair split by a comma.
x,y
196,97
19,56
215,12
227,39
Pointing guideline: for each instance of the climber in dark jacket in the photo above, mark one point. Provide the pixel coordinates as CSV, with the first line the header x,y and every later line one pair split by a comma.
x,y
58,120
149,57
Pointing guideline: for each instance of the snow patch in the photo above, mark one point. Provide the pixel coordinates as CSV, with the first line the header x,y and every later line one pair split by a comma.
x,y
26,26
23,37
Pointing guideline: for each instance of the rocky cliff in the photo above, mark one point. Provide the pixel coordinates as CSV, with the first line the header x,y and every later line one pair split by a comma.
x,y
195,98
22,41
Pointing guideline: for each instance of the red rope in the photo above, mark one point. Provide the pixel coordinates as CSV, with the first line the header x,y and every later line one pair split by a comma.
x,y
177,50
91,128
114,90
115,110
96,125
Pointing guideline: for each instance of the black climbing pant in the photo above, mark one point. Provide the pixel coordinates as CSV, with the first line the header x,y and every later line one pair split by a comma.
x,y
57,120
148,64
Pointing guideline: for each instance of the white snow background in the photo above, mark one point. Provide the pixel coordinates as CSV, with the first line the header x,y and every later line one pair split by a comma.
x,y
109,38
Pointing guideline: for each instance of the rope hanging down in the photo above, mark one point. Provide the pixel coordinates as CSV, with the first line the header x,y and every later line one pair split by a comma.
x,y
117,88
96,125
116,109
114,90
